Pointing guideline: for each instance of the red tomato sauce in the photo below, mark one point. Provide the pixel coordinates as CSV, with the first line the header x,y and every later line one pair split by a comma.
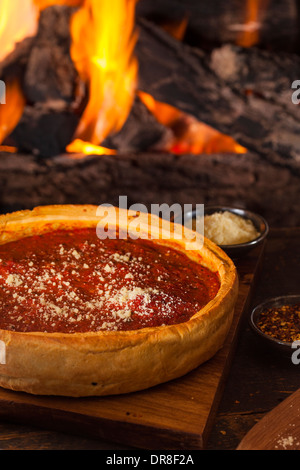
x,y
71,281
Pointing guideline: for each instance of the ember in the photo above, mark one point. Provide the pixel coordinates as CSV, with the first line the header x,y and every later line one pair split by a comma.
x,y
188,134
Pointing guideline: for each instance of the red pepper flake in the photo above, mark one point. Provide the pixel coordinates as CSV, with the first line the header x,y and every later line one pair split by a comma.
x,y
282,323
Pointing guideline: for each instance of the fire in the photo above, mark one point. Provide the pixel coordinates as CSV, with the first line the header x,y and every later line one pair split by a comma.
x,y
12,110
189,135
42,4
14,27
177,29
249,35
78,147
103,38
103,41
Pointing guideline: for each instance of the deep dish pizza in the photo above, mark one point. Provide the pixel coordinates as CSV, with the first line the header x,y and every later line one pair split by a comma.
x,y
83,316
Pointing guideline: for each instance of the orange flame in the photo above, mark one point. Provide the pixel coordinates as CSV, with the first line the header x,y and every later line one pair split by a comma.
x,y
42,4
103,41
79,147
14,27
177,29
12,110
249,35
189,135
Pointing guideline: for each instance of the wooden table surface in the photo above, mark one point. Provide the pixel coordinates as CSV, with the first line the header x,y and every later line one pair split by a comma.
x,y
259,379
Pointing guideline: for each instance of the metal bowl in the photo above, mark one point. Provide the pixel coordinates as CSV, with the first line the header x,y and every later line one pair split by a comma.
x,y
241,249
279,345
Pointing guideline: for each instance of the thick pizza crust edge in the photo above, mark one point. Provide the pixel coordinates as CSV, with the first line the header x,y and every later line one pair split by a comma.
x,y
106,362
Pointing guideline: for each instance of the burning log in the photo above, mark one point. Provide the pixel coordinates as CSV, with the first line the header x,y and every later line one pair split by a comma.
x,y
48,81
241,92
14,64
232,89
42,62
244,93
140,133
50,73
56,98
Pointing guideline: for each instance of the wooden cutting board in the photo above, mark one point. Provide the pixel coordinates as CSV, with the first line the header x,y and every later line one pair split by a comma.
x,y
176,415
277,430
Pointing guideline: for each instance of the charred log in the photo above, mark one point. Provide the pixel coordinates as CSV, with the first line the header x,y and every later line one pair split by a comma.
x,y
240,92
211,24
147,178
50,73
140,133
49,82
244,93
55,98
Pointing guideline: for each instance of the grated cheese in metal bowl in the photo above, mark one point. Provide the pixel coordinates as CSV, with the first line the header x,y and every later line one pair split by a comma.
x,y
226,228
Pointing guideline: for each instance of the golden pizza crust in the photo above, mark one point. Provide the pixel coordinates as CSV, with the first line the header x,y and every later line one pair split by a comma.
x,y
115,362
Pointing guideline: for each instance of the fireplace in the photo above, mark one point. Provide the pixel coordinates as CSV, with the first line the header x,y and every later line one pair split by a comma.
x,y
154,100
